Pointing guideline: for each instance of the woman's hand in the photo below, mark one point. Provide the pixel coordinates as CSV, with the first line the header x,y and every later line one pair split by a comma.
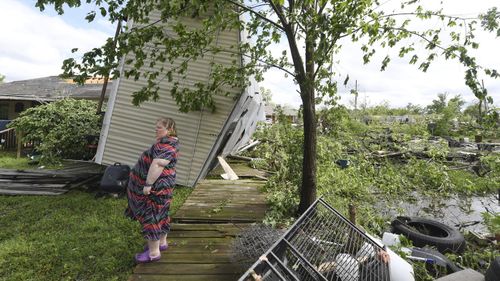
x,y
146,189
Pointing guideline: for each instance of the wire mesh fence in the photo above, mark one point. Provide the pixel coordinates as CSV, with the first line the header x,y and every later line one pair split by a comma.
x,y
322,245
252,242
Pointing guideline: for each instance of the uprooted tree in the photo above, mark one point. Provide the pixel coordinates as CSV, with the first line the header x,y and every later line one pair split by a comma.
x,y
301,38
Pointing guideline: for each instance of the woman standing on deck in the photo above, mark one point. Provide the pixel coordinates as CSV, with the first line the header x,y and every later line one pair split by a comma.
x,y
150,188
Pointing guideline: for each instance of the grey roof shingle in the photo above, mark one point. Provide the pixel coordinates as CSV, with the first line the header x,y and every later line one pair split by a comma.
x,y
51,88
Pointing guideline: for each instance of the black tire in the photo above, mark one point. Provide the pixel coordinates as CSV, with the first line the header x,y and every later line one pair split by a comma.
x,y
493,272
425,232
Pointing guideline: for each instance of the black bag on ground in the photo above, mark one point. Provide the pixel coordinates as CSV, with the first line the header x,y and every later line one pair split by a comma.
x,y
115,178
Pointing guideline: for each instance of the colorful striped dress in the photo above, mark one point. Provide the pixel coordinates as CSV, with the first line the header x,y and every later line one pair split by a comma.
x,y
152,210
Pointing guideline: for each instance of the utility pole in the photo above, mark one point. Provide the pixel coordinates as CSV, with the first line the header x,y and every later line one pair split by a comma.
x,y
355,93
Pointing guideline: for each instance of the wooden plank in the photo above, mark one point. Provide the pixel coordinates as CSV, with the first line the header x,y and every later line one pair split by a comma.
x,y
34,173
253,199
200,249
224,216
217,220
222,181
227,195
193,241
188,269
199,202
231,188
193,217
218,207
211,226
201,258
251,186
221,212
221,204
29,192
206,234
68,172
35,180
227,192
231,204
26,186
181,246
234,189
193,277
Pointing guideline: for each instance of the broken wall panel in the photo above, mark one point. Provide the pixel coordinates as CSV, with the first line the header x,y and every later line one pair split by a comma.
x,y
128,130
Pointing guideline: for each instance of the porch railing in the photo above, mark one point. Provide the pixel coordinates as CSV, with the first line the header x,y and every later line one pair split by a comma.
x,y
8,139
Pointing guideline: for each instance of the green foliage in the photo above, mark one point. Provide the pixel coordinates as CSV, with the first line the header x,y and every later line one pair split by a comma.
x,y
368,179
447,112
281,149
60,128
438,104
490,123
385,109
335,120
492,221
69,237
477,256
2,78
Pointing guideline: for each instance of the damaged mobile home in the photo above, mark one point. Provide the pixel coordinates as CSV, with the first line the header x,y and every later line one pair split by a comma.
x,y
128,130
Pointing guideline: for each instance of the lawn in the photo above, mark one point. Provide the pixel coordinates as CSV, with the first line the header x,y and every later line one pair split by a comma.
x,y
8,161
68,237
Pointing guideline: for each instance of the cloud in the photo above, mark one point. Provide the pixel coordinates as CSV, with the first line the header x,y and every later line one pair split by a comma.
x,y
34,44
402,83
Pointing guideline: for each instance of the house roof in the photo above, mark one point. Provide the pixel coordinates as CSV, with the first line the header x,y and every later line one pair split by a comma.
x,y
287,111
52,88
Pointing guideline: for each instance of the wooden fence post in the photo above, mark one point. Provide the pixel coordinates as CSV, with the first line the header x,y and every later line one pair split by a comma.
x,y
352,213
19,136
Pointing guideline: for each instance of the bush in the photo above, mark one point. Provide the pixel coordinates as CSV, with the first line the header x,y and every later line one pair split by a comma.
x,y
60,128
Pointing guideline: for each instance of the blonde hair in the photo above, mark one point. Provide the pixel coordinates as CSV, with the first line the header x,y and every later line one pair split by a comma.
x,y
169,123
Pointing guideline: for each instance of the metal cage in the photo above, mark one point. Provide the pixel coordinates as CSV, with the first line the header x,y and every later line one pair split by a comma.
x,y
322,245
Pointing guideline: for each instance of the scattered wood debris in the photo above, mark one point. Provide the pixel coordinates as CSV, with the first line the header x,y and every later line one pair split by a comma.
x,y
49,182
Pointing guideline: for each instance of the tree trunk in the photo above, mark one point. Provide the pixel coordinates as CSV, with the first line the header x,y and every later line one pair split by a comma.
x,y
308,188
305,79
480,107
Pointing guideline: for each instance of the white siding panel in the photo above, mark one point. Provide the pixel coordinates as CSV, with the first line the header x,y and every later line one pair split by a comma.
x,y
132,128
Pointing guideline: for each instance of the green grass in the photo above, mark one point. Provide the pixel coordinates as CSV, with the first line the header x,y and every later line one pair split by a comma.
x,y
69,237
8,160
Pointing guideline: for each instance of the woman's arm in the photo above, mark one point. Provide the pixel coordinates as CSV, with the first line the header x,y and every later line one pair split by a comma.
x,y
154,173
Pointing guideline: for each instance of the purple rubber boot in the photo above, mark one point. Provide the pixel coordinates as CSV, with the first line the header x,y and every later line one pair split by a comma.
x,y
145,258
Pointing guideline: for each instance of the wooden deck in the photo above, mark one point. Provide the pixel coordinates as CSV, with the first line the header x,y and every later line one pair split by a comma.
x,y
203,230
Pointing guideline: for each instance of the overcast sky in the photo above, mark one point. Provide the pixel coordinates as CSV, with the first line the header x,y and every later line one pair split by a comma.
x,y
34,44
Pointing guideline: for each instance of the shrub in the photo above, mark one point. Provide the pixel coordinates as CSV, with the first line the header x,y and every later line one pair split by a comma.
x,y
60,128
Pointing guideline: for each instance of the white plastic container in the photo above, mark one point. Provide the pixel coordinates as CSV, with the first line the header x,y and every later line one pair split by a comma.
x,y
390,239
399,269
